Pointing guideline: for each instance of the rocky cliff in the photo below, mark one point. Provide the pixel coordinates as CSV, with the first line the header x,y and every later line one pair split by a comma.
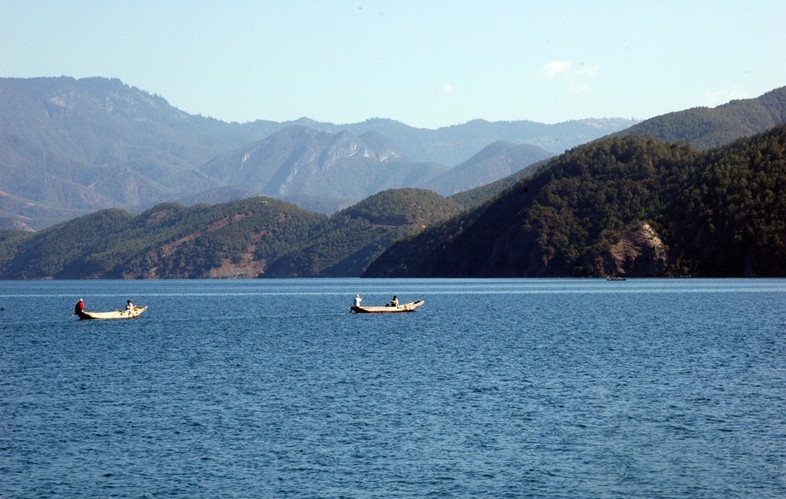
x,y
638,253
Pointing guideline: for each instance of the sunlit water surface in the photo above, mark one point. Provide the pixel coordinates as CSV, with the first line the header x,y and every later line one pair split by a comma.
x,y
494,388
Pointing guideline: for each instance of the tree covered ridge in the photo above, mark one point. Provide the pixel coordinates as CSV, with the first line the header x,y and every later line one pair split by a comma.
x,y
719,213
706,128
353,238
732,213
701,127
254,237
167,241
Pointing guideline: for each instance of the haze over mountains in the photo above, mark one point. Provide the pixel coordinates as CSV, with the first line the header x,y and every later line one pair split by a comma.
x,y
69,147
696,192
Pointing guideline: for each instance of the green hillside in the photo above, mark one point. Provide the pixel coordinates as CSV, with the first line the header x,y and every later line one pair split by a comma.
x,y
705,128
356,236
256,237
702,128
716,213
235,239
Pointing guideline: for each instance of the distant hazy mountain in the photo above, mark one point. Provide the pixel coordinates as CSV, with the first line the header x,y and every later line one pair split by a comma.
x,y
299,161
218,195
496,161
454,144
69,147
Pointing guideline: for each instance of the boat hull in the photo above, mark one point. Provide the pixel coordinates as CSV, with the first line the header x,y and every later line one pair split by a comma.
x,y
405,307
117,314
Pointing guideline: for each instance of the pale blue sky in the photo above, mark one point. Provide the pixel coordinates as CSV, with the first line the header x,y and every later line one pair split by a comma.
x,y
427,63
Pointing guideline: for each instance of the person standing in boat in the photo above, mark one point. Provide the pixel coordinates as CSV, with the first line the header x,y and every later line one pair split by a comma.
x,y
394,301
79,308
357,301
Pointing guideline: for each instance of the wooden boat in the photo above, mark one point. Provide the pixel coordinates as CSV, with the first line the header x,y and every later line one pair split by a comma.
x,y
387,309
117,314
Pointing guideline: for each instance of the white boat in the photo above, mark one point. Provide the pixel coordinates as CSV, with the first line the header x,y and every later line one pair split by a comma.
x,y
117,314
387,309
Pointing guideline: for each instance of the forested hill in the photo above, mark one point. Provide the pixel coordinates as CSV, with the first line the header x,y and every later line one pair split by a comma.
x,y
256,237
234,239
704,127
628,205
353,238
700,127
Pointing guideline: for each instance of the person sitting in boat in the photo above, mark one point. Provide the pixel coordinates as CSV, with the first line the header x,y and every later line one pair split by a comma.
x,y
394,301
129,306
79,307
358,299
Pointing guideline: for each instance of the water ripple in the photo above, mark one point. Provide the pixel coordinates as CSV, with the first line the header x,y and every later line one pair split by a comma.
x,y
495,388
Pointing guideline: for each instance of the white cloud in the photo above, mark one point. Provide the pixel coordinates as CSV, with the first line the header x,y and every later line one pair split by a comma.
x,y
575,78
566,69
554,68
447,88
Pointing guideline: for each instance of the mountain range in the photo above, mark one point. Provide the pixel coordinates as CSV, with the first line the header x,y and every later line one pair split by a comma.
x,y
674,195
69,147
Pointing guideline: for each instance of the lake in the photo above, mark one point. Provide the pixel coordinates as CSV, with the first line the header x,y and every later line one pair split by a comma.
x,y
494,388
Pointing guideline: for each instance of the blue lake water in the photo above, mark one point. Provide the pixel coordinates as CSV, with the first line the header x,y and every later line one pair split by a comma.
x,y
494,388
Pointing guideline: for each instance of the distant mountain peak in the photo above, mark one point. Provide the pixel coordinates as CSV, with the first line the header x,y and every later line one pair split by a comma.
x,y
102,143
